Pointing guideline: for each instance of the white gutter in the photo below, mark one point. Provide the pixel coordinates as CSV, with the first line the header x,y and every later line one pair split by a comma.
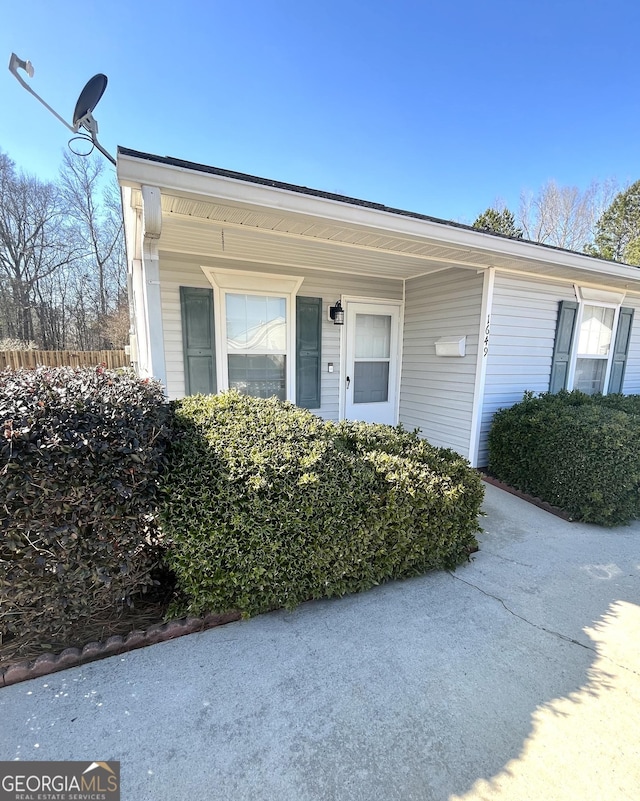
x,y
135,172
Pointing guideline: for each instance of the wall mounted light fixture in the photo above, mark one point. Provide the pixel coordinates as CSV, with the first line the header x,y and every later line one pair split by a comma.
x,y
336,313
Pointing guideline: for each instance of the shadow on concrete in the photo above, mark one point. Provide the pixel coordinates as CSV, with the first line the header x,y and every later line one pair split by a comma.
x,y
585,744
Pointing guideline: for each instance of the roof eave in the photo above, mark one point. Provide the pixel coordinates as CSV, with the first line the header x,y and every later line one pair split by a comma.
x,y
136,169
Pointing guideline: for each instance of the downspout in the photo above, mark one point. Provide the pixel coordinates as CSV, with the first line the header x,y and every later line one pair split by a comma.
x,y
151,230
484,333
133,339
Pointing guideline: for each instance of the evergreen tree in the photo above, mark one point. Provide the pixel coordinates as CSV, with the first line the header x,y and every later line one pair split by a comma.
x,y
499,222
618,229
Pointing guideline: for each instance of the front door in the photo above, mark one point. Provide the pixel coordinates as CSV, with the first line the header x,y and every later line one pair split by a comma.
x,y
371,377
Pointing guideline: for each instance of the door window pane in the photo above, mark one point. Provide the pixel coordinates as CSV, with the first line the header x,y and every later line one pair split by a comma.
x,y
260,375
371,382
373,336
590,375
371,358
596,331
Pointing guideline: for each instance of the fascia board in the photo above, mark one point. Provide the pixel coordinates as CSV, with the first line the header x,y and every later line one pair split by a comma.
x,y
136,172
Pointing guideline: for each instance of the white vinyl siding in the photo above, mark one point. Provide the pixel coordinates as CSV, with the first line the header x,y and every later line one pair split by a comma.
x,y
436,393
186,271
523,329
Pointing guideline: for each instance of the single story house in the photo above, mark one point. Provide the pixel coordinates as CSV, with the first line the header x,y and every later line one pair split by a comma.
x,y
356,310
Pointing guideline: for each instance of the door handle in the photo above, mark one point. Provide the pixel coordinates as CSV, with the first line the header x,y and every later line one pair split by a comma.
x,y
348,382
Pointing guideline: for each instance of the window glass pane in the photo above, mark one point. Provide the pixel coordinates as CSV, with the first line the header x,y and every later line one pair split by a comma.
x,y
262,375
373,336
596,330
256,323
589,376
370,382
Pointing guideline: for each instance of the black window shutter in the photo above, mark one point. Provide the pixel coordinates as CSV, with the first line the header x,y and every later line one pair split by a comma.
x,y
308,351
198,340
567,313
621,349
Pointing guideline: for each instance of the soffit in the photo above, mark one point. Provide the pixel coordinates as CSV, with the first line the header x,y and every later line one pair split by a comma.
x,y
205,227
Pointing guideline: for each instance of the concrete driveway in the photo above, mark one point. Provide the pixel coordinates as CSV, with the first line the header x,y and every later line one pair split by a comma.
x,y
517,677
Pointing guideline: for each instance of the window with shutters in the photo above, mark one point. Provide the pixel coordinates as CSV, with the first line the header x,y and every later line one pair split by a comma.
x,y
593,348
256,330
592,341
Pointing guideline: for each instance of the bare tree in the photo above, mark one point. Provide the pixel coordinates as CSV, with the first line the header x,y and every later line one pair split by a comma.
x,y
56,299
115,326
95,221
564,216
33,246
62,260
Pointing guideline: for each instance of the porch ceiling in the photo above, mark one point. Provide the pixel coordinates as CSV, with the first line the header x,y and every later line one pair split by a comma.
x,y
239,231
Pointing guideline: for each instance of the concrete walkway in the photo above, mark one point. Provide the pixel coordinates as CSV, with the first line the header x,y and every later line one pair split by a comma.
x,y
517,677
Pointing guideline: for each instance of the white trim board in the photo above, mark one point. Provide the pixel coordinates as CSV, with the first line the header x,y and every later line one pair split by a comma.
x,y
484,335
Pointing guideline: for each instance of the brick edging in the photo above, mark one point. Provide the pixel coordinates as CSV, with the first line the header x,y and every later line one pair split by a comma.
x,y
47,663
73,657
548,507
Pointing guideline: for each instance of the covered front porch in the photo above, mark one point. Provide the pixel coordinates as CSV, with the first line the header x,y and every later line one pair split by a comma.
x,y
232,278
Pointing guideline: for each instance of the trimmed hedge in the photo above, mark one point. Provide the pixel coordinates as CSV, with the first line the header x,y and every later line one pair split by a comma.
x,y
266,505
579,452
80,459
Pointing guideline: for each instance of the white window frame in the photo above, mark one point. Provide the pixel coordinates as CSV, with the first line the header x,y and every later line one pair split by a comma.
x,y
236,282
583,302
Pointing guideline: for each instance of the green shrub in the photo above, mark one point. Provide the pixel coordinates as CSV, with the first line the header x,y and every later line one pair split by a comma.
x,y
429,495
576,451
80,458
266,505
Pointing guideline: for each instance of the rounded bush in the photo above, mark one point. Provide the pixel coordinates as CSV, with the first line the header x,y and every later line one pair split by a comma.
x,y
266,505
81,453
576,451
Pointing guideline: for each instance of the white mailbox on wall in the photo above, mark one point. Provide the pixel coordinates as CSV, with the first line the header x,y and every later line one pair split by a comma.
x,y
450,346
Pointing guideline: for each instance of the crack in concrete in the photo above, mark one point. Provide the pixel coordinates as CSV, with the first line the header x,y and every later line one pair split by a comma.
x,y
505,558
520,617
554,633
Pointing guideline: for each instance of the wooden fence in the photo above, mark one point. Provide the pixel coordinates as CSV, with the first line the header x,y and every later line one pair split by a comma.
x,y
63,358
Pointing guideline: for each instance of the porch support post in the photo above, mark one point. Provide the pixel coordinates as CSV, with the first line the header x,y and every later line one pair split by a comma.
x,y
154,363
481,364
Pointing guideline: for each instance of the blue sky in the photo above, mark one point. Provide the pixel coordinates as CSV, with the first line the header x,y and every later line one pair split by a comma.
x,y
427,106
